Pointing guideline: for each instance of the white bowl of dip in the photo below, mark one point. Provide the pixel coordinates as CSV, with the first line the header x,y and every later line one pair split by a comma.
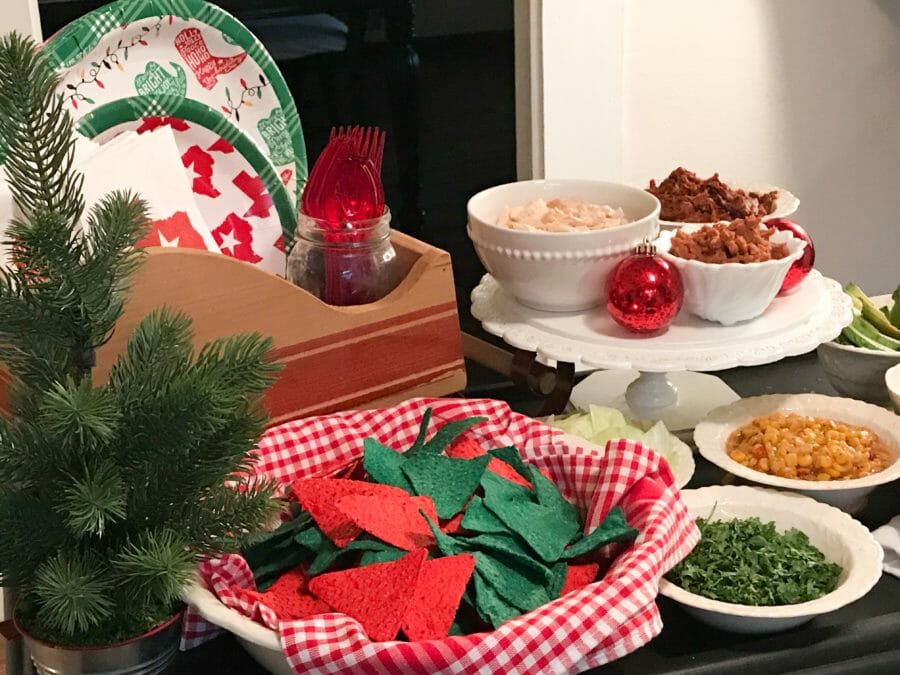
x,y
558,271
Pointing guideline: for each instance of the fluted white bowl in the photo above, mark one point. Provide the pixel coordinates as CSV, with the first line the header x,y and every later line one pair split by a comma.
x,y
558,271
841,539
729,293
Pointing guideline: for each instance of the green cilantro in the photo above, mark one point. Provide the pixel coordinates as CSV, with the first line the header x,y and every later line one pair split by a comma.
x,y
748,562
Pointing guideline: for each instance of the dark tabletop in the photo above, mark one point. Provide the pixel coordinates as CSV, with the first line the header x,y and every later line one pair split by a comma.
x,y
861,638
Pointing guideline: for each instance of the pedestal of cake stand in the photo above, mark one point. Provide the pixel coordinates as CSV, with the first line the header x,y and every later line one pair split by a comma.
x,y
680,399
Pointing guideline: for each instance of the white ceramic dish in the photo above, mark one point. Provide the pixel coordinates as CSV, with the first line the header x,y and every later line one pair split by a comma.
x,y
856,371
841,539
711,436
892,380
262,643
814,312
729,293
558,271
785,204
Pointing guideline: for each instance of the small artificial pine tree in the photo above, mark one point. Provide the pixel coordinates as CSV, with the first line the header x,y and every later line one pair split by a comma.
x,y
109,493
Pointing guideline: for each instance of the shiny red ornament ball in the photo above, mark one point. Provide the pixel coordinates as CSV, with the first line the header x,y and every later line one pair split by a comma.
x,y
644,292
804,264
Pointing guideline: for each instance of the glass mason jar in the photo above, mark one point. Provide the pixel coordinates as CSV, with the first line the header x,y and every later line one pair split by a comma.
x,y
352,263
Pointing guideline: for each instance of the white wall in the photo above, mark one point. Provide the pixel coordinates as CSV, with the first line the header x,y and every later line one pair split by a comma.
x,y
800,93
20,15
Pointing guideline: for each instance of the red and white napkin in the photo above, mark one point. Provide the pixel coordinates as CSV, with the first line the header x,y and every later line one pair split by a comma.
x,y
582,630
150,165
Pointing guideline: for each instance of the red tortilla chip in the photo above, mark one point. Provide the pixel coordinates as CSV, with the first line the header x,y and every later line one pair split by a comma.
x,y
579,576
504,470
287,597
439,590
376,595
465,448
320,496
395,520
454,525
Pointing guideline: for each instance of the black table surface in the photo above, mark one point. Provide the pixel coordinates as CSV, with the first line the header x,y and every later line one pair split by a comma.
x,y
859,638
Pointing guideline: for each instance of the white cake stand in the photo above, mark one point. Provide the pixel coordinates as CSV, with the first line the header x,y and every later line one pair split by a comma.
x,y
662,378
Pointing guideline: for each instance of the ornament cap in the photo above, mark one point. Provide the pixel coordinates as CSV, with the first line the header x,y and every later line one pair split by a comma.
x,y
646,247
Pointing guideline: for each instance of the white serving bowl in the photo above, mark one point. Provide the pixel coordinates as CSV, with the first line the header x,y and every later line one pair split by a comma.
x,y
892,380
785,204
729,293
857,371
711,435
841,539
558,271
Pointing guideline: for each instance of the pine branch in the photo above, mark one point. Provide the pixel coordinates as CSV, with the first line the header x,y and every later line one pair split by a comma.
x,y
155,568
33,122
79,414
73,590
95,501
233,513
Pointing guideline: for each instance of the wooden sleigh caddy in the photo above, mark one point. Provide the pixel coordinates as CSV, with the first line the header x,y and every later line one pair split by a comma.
x,y
405,345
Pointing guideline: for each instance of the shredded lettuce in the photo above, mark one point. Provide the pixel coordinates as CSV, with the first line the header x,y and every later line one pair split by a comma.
x,y
600,425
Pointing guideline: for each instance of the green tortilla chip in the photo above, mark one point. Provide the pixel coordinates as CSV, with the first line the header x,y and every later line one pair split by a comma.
x,y
549,496
491,483
558,578
445,543
514,587
490,606
547,529
329,553
384,465
449,482
513,550
478,518
511,456
447,434
423,433
387,555
613,528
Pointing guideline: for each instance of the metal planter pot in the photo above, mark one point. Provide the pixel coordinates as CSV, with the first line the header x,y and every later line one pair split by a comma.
x,y
147,654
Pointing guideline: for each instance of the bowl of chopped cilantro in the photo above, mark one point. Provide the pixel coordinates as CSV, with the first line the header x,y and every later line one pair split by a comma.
x,y
768,560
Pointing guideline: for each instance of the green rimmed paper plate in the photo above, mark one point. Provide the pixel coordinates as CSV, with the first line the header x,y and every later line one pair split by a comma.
x,y
185,49
236,189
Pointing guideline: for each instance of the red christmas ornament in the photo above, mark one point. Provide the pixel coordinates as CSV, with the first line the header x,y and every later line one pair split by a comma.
x,y
804,264
644,292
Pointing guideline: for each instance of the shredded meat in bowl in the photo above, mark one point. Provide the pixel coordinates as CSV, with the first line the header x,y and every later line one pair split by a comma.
x,y
687,198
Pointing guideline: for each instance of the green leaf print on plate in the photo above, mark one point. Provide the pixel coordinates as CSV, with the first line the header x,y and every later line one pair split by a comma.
x,y
156,81
274,131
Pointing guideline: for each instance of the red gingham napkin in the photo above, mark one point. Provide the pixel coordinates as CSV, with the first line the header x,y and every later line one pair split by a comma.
x,y
584,629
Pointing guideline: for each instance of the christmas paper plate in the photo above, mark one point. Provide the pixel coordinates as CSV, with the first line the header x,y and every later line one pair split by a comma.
x,y
235,187
184,49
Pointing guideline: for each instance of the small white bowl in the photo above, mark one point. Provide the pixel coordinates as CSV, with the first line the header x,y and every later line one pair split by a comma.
x,y
711,436
558,271
856,371
841,539
785,204
729,293
892,380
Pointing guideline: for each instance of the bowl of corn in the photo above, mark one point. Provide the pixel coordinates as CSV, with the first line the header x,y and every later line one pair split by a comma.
x,y
835,450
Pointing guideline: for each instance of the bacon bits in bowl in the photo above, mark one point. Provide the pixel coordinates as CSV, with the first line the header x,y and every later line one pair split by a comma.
x,y
687,198
731,271
769,561
552,243
835,450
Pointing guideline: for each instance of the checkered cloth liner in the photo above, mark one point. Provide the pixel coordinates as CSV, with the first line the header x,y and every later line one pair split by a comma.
x,y
584,629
